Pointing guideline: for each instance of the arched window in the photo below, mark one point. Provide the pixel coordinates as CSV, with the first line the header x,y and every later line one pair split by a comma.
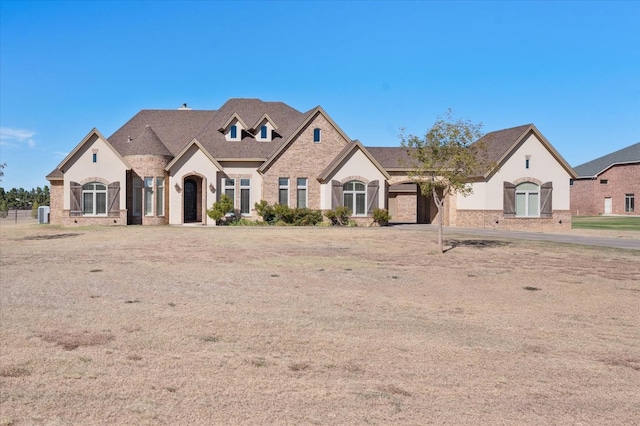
x,y
354,196
94,199
528,199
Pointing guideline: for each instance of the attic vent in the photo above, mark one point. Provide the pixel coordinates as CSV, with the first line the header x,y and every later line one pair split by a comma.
x,y
184,107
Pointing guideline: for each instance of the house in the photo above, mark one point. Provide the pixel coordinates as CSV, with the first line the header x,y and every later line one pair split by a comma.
x,y
527,186
170,166
608,184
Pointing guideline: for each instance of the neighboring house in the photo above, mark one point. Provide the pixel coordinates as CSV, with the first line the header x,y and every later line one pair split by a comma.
x,y
607,185
170,166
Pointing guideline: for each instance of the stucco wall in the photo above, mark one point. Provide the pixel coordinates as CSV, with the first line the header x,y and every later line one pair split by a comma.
x,y
193,162
107,169
542,167
356,167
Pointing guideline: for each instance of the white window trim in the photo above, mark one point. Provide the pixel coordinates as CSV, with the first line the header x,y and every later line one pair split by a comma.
x,y
146,188
354,193
232,187
159,190
306,192
248,186
94,201
287,186
527,193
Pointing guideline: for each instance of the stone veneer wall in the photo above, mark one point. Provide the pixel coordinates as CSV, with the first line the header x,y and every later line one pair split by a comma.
x,y
148,166
304,159
56,203
561,220
406,207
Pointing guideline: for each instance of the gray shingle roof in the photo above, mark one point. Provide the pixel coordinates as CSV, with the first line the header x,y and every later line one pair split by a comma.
x,y
593,168
496,143
391,157
176,128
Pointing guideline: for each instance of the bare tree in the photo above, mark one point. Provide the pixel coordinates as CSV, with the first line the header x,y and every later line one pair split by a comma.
x,y
445,161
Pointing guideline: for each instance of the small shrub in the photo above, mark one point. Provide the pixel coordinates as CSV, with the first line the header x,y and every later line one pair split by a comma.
x,y
265,211
283,215
339,216
220,209
381,217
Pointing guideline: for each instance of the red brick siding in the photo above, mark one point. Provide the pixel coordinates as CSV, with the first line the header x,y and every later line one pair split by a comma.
x,y
587,195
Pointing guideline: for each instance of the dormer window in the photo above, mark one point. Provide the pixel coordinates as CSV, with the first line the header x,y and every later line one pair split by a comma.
x,y
316,135
263,132
233,132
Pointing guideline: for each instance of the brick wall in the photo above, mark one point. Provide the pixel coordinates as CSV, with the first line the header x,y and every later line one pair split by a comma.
x,y
560,220
304,159
588,195
56,202
147,166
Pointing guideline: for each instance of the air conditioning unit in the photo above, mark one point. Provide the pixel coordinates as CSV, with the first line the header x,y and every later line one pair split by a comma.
x,y
43,214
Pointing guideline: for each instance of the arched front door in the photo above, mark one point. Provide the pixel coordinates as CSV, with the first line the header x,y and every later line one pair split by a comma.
x,y
190,200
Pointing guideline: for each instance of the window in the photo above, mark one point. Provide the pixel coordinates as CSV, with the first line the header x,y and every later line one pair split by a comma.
x,y
527,200
245,196
316,135
137,196
629,203
263,132
95,157
570,182
160,196
355,196
604,181
94,199
526,163
148,196
234,132
230,189
302,192
283,191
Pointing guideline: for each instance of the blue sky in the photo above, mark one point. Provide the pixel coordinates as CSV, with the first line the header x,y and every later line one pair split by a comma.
x,y
571,68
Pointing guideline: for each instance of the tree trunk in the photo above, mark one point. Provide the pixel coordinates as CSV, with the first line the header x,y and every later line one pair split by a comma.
x,y
439,204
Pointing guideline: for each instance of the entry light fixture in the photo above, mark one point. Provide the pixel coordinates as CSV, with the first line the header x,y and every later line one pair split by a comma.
x,y
178,187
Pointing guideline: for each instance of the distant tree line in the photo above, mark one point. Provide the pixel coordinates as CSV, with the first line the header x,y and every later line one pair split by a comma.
x,y
22,199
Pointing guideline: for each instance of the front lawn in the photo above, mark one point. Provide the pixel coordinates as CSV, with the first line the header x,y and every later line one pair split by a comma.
x,y
626,223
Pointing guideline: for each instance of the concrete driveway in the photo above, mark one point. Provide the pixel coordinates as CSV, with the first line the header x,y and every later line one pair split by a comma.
x,y
622,239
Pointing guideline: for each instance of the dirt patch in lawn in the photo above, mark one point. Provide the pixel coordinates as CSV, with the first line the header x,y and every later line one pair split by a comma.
x,y
170,325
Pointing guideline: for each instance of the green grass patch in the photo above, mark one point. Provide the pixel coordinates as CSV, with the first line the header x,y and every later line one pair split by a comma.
x,y
619,223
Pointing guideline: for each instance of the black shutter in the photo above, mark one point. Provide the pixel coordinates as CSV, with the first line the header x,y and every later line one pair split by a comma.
x,y
372,196
509,200
113,198
75,190
336,194
546,190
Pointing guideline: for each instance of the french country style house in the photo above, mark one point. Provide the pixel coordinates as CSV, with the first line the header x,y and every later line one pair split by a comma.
x,y
170,166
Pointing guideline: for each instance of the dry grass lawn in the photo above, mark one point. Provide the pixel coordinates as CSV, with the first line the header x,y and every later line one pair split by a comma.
x,y
171,325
